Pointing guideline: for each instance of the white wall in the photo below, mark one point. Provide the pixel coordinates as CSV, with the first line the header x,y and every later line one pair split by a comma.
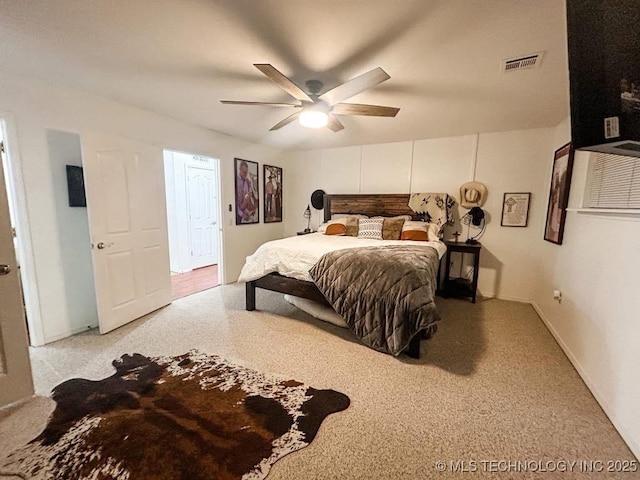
x,y
596,269
513,161
175,164
74,240
37,106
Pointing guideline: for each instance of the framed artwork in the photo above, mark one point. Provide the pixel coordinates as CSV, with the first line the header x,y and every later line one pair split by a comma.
x,y
559,194
272,193
75,185
247,196
515,209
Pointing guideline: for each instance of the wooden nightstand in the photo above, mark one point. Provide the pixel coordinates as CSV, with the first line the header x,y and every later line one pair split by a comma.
x,y
304,233
461,287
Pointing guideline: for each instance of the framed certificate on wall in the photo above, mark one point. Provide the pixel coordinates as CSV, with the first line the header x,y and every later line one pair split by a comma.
x,y
515,209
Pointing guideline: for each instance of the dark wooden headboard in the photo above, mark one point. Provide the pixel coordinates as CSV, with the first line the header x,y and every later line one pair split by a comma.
x,y
386,205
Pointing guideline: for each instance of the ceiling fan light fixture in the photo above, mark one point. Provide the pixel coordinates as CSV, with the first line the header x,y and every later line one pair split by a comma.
x,y
313,118
317,111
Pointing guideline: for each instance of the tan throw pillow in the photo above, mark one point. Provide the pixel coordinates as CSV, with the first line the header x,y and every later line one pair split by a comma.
x,y
352,226
415,235
336,229
420,231
392,228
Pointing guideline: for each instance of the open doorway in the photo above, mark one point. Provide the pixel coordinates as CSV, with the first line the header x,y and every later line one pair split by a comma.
x,y
75,293
10,164
193,217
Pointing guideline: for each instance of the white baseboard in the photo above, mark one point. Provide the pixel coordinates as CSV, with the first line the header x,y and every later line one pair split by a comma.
x,y
624,433
504,297
17,403
69,333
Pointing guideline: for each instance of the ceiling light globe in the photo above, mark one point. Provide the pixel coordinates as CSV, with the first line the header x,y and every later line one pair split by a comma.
x,y
313,119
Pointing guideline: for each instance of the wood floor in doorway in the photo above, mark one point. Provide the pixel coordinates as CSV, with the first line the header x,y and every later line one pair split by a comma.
x,y
184,284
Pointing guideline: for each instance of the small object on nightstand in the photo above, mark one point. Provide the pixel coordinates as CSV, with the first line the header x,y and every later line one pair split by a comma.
x,y
456,234
307,215
461,287
305,232
475,217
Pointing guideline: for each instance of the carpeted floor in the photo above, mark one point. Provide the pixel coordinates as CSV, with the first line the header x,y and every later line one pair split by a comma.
x,y
492,386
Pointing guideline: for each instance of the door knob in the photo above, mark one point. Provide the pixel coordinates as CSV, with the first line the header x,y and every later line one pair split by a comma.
x,y
5,269
101,245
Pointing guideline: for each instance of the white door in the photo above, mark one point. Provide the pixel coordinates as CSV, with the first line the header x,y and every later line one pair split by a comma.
x,y
202,206
124,182
15,369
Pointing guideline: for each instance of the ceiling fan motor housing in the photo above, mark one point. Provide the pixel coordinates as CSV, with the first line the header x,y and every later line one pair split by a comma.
x,y
314,86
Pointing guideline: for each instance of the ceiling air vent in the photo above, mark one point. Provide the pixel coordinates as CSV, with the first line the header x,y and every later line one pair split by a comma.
x,y
522,63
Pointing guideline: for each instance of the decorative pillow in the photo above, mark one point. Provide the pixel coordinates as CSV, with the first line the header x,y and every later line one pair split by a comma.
x,y
370,228
415,235
420,231
334,227
351,222
392,228
352,226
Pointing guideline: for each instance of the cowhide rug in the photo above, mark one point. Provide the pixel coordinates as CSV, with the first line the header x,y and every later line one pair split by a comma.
x,y
192,417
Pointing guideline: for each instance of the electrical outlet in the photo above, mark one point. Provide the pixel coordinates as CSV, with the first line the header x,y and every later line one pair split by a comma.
x,y
557,295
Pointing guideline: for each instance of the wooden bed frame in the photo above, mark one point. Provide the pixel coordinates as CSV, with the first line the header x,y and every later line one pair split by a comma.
x,y
388,205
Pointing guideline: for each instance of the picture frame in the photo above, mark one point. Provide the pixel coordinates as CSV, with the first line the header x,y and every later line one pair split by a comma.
x,y
515,209
559,194
272,178
75,186
247,199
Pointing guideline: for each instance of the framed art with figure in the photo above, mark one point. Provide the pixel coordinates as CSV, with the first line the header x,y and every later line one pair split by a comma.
x,y
272,193
559,194
247,196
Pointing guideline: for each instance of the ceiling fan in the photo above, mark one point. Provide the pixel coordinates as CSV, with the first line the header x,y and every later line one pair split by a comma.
x,y
315,110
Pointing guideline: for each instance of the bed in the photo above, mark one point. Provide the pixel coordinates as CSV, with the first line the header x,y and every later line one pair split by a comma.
x,y
286,265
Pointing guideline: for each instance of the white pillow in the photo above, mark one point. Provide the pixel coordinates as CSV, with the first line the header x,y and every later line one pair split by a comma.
x,y
370,228
434,233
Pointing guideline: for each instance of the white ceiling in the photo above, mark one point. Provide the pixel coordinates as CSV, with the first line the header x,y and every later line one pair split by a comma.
x,y
180,57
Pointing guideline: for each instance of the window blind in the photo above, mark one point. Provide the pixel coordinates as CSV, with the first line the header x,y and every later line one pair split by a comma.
x,y
614,182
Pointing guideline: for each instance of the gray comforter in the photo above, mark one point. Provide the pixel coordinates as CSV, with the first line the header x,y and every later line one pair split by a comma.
x,y
385,294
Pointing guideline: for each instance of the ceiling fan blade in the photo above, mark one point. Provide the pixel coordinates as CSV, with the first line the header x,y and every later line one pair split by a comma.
x,y
334,124
361,109
260,104
286,121
354,86
283,82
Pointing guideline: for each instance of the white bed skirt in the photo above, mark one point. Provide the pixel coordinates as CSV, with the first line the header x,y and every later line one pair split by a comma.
x,y
317,310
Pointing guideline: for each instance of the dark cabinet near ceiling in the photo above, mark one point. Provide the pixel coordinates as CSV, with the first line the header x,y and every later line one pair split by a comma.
x,y
604,74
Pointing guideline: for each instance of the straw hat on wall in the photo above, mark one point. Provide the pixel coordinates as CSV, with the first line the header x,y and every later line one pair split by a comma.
x,y
473,194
